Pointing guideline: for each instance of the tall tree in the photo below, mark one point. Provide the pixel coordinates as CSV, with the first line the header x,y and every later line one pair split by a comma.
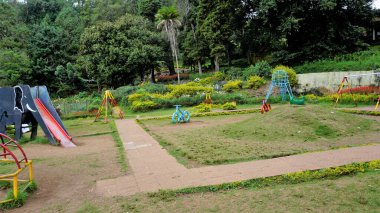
x,y
116,53
214,23
167,18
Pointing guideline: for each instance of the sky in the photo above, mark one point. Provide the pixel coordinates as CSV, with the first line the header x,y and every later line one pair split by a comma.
x,y
376,4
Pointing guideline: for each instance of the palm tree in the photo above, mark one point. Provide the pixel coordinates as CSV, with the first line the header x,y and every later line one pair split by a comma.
x,y
167,18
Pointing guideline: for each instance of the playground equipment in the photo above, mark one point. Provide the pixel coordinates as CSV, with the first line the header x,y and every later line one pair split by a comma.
x,y
108,98
377,104
21,162
180,115
280,80
208,100
23,106
351,90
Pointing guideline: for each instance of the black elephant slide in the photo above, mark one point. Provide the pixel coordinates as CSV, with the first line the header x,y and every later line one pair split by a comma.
x,y
19,107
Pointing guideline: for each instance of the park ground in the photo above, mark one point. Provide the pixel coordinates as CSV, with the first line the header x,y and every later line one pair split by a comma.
x,y
67,178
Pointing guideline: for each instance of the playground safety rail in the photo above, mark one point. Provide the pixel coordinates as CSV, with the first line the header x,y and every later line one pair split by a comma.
x,y
6,143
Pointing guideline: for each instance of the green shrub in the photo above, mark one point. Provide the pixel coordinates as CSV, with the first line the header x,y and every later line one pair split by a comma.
x,y
230,106
200,76
219,76
261,68
255,82
203,108
135,97
233,86
143,106
153,88
291,74
311,98
187,89
233,72
206,81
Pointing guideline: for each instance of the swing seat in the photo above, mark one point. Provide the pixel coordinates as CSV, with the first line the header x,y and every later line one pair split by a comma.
x,y
298,101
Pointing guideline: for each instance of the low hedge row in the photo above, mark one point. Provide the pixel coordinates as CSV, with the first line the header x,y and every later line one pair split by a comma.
x,y
291,178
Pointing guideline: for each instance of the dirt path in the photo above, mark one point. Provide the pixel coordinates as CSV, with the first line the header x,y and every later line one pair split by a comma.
x,y
153,168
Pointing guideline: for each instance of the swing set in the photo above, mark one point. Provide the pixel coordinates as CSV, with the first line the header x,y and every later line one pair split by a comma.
x,y
351,90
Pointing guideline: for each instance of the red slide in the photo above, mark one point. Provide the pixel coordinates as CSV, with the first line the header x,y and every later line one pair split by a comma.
x,y
57,131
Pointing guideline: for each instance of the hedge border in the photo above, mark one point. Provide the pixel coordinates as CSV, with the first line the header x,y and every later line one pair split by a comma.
x,y
286,179
360,112
206,114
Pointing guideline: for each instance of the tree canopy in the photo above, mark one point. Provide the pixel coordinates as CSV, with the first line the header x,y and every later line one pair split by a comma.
x,y
72,45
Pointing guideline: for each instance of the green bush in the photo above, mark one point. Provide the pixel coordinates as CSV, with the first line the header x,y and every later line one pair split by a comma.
x,y
135,97
143,106
255,82
206,81
229,106
233,72
188,89
261,68
203,108
291,74
153,88
363,60
219,76
200,76
233,86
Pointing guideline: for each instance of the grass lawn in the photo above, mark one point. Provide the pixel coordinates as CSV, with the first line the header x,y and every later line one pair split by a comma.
x,y
286,130
169,112
358,193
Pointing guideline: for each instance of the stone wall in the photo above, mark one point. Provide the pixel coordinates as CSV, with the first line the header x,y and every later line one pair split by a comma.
x,y
331,80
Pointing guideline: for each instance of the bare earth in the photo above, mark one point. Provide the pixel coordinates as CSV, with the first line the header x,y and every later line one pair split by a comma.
x,y
66,177
153,168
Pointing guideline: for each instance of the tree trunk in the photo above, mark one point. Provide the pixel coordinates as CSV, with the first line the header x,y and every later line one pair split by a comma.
x,y
216,62
199,67
152,77
169,60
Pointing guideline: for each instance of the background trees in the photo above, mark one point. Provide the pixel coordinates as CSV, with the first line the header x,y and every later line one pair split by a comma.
x,y
71,45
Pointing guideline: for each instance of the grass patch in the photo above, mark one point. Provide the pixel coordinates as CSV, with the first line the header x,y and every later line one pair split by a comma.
x,y
89,207
24,189
356,192
359,61
284,131
121,158
361,112
291,178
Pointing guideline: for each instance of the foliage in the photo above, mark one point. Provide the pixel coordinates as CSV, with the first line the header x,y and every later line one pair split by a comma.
x,y
121,158
233,72
115,53
143,106
255,82
229,106
233,86
203,108
358,61
187,89
261,68
291,178
292,76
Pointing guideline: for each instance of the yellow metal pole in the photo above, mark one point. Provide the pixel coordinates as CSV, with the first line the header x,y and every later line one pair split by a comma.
x,y
349,87
377,105
30,166
339,92
15,186
106,103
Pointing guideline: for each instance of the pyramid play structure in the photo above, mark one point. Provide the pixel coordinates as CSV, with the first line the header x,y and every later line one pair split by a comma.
x,y
25,107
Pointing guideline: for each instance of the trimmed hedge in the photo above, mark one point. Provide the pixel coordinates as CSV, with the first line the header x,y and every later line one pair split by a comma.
x,y
290,178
